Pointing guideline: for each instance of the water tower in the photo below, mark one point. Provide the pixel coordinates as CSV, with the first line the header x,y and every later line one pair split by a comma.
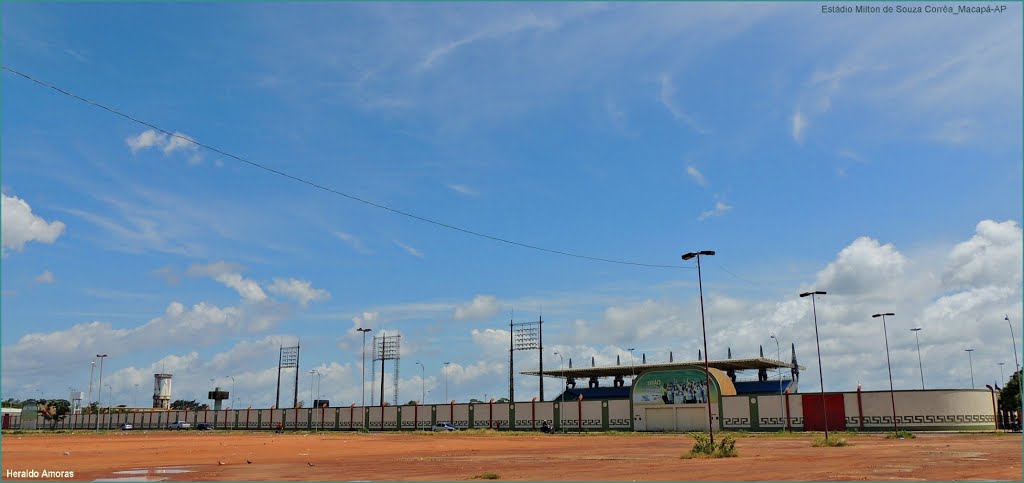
x,y
162,391
76,401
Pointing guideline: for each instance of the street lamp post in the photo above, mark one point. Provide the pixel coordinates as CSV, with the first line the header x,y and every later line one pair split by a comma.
x,y
446,382
632,366
703,327
92,368
971,361
1014,339
817,343
232,391
423,384
362,383
99,396
564,380
110,404
778,355
892,395
311,400
919,365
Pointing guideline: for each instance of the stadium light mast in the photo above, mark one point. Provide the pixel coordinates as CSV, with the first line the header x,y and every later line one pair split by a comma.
x,y
703,327
1000,364
892,395
920,366
971,361
423,383
446,382
817,343
99,396
1014,339
363,382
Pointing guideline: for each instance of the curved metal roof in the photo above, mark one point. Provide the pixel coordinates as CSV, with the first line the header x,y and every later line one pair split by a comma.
x,y
637,369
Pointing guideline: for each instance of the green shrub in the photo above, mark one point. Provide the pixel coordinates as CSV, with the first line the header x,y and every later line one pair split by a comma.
x,y
487,476
703,448
820,441
901,434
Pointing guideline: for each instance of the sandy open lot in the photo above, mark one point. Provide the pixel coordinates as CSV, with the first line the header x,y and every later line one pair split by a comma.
x,y
219,456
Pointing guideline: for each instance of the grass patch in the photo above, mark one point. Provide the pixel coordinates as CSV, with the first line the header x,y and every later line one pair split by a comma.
x,y
487,476
821,442
703,448
901,434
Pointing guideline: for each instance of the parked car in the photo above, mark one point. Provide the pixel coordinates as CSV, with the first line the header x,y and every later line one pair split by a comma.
x,y
179,425
204,426
443,427
127,427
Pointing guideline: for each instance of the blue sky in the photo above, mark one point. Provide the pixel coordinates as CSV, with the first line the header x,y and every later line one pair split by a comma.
x,y
877,157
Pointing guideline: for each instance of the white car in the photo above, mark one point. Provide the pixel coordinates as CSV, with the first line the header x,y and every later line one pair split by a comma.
x,y
127,427
179,425
443,427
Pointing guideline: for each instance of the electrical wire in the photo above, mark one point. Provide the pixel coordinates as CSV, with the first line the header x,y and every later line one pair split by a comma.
x,y
331,190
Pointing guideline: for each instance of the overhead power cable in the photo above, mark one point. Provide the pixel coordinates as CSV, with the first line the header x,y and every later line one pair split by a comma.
x,y
331,190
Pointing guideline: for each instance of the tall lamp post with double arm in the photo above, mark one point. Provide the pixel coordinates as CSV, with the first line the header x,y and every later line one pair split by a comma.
x,y
703,327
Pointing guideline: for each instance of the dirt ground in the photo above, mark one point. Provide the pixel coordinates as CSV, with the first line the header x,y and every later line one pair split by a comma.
x,y
222,456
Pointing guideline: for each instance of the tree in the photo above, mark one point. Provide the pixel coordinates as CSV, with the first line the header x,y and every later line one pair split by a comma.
x,y
412,403
1009,395
54,410
12,403
475,401
93,408
182,404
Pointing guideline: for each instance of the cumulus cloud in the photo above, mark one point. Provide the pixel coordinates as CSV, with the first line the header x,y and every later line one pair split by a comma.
x,y
248,289
988,257
45,277
719,210
863,266
145,140
301,291
168,144
482,307
20,226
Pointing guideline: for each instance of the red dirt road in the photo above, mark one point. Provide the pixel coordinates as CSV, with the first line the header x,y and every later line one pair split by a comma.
x,y
450,457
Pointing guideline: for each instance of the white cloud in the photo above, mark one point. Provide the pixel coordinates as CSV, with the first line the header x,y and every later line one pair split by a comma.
x,y
719,210
504,27
409,249
179,141
45,277
863,266
989,257
482,307
463,190
799,123
213,269
352,241
301,291
168,144
145,140
248,289
696,175
20,226
666,95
